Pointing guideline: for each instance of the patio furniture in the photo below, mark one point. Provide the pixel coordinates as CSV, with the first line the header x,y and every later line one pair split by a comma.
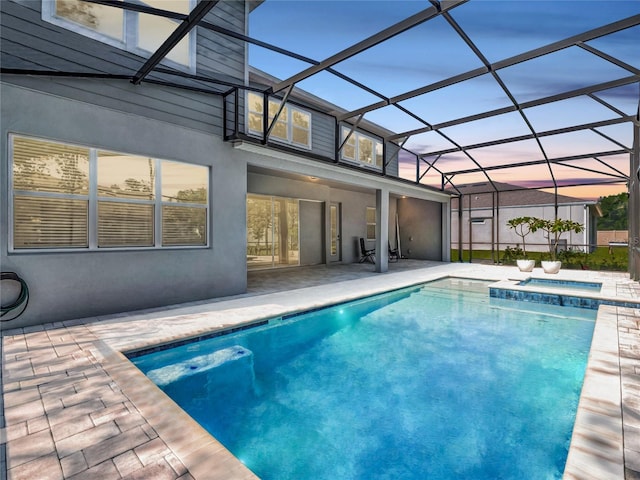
x,y
365,253
393,253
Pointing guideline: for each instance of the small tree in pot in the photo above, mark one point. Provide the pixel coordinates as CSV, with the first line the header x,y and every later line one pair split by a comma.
x,y
553,230
522,226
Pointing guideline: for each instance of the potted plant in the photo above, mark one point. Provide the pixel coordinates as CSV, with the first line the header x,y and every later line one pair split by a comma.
x,y
522,227
553,230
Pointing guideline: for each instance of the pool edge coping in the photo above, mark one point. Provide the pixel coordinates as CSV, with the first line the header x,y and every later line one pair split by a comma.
x,y
596,450
199,451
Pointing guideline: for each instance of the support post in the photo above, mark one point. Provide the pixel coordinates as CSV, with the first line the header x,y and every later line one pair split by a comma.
x,y
446,231
382,230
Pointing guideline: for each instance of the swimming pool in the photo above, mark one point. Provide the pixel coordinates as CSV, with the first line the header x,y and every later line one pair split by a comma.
x,y
427,382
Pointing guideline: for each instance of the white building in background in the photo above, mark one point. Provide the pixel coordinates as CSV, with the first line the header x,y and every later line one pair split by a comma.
x,y
482,223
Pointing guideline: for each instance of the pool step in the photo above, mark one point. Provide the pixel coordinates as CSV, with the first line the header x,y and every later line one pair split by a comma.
x,y
203,363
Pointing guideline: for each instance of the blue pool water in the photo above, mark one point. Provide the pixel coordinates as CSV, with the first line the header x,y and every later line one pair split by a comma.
x,y
433,382
562,284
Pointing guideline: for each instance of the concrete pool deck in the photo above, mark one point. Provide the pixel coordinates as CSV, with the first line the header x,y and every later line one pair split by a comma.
x,y
75,407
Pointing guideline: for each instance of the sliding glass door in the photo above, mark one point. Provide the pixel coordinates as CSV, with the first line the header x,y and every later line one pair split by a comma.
x,y
272,232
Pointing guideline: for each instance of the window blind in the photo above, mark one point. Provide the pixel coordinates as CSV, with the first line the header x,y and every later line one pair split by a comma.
x,y
125,224
183,225
40,166
47,222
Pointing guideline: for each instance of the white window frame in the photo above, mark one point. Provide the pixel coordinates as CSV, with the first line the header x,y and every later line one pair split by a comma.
x,y
130,33
374,223
93,199
288,121
355,137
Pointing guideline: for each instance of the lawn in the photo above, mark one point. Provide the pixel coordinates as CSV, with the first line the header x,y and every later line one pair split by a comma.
x,y
602,258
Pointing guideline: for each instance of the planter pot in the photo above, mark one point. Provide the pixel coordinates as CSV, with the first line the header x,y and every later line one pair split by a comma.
x,y
526,265
551,267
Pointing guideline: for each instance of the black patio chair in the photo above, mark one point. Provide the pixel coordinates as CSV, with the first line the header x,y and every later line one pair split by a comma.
x,y
366,254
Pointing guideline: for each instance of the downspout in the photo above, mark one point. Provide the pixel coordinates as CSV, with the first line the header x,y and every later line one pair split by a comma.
x,y
460,228
498,223
470,233
587,228
493,226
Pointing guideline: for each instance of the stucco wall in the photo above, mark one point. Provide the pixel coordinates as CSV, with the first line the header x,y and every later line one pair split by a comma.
x,y
420,229
71,285
311,233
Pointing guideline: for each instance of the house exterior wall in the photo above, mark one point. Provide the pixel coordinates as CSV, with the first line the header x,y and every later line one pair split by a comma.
x,y
29,42
312,233
391,159
504,237
354,221
420,226
71,285
323,135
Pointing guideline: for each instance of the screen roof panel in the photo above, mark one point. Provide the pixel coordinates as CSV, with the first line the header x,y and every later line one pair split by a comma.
x,y
623,44
592,191
623,98
411,60
274,63
319,29
595,168
507,153
500,126
576,143
561,114
621,133
336,90
526,25
428,142
459,100
392,118
523,176
566,70
452,162
570,175
610,165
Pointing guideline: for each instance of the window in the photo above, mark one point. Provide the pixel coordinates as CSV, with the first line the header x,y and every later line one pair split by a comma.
x,y
371,223
139,33
67,196
293,125
272,232
362,149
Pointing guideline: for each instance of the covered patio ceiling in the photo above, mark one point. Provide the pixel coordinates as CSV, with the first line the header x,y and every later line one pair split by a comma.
x,y
505,94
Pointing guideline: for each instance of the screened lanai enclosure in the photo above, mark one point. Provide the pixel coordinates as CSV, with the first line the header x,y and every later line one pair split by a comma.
x,y
481,99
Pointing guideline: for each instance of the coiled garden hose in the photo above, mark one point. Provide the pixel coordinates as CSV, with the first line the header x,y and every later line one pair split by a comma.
x,y
21,301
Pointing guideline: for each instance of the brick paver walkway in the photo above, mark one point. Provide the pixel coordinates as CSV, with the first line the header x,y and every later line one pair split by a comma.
x,y
67,418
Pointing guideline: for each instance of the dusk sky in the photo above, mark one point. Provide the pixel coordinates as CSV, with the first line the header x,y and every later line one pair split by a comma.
x,y
433,51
